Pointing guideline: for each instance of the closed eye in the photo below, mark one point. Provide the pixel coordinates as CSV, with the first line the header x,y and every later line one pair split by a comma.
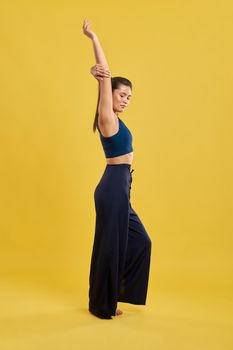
x,y
123,96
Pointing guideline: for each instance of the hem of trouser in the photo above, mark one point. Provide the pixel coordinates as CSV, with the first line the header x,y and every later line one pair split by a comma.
x,y
100,314
130,301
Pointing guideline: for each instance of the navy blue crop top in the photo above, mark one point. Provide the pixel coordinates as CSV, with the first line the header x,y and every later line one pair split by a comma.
x,y
119,143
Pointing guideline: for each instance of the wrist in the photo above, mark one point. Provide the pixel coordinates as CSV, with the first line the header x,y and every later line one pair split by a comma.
x,y
94,37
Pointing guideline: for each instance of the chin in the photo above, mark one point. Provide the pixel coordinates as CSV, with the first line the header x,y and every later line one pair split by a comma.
x,y
119,110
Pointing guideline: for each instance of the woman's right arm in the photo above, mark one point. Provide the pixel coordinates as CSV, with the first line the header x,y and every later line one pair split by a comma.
x,y
105,107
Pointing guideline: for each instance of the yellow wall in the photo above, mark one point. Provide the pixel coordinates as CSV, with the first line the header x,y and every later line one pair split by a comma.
x,y
178,55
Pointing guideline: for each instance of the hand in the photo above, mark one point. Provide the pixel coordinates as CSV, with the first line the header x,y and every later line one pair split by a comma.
x,y
87,31
100,72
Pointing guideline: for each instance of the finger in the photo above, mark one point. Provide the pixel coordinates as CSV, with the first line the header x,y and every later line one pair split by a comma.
x,y
101,66
104,75
104,71
100,69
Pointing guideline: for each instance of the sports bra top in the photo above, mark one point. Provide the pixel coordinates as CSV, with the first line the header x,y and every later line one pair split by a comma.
x,y
119,143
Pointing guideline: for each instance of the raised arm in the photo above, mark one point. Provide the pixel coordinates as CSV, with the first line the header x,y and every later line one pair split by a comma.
x,y
105,108
99,71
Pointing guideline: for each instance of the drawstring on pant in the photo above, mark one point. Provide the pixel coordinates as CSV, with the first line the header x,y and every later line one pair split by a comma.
x,y
131,177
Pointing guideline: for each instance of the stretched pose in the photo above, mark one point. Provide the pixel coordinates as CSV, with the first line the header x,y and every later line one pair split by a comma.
x,y
120,261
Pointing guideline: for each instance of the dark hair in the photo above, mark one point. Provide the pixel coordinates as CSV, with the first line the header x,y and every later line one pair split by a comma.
x,y
116,81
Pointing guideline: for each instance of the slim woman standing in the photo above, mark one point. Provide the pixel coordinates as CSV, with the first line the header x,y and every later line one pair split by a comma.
x,y
120,261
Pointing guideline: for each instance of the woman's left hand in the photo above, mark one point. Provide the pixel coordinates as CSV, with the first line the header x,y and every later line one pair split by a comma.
x,y
87,31
100,72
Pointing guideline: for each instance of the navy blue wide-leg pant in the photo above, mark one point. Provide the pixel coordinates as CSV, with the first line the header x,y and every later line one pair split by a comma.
x,y
120,260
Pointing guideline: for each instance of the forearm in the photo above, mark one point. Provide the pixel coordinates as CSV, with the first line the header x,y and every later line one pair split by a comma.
x,y
99,53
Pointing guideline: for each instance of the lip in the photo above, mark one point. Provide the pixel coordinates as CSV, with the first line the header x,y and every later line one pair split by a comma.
x,y
123,106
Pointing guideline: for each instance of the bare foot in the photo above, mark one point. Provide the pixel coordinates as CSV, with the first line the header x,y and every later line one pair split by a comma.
x,y
118,312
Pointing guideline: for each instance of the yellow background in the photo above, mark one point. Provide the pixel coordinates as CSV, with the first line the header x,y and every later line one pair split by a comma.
x,y
178,55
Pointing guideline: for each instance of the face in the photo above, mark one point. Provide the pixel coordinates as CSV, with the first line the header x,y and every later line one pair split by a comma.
x,y
121,98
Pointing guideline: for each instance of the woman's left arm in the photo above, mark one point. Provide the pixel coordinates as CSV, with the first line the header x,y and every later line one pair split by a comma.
x,y
99,72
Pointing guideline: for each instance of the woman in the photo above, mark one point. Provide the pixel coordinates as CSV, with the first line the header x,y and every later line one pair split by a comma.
x,y
121,252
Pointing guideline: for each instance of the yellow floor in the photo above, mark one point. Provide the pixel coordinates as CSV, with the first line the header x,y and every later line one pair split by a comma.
x,y
32,318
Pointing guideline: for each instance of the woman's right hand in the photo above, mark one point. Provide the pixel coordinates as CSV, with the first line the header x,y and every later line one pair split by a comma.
x,y
87,31
100,72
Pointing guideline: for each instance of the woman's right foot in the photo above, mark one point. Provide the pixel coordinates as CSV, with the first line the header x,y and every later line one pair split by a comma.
x,y
118,312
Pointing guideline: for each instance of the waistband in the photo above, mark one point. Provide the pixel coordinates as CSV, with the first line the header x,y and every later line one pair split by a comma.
x,y
124,165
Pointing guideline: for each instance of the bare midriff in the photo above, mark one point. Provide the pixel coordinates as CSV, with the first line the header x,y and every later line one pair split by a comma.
x,y
125,158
